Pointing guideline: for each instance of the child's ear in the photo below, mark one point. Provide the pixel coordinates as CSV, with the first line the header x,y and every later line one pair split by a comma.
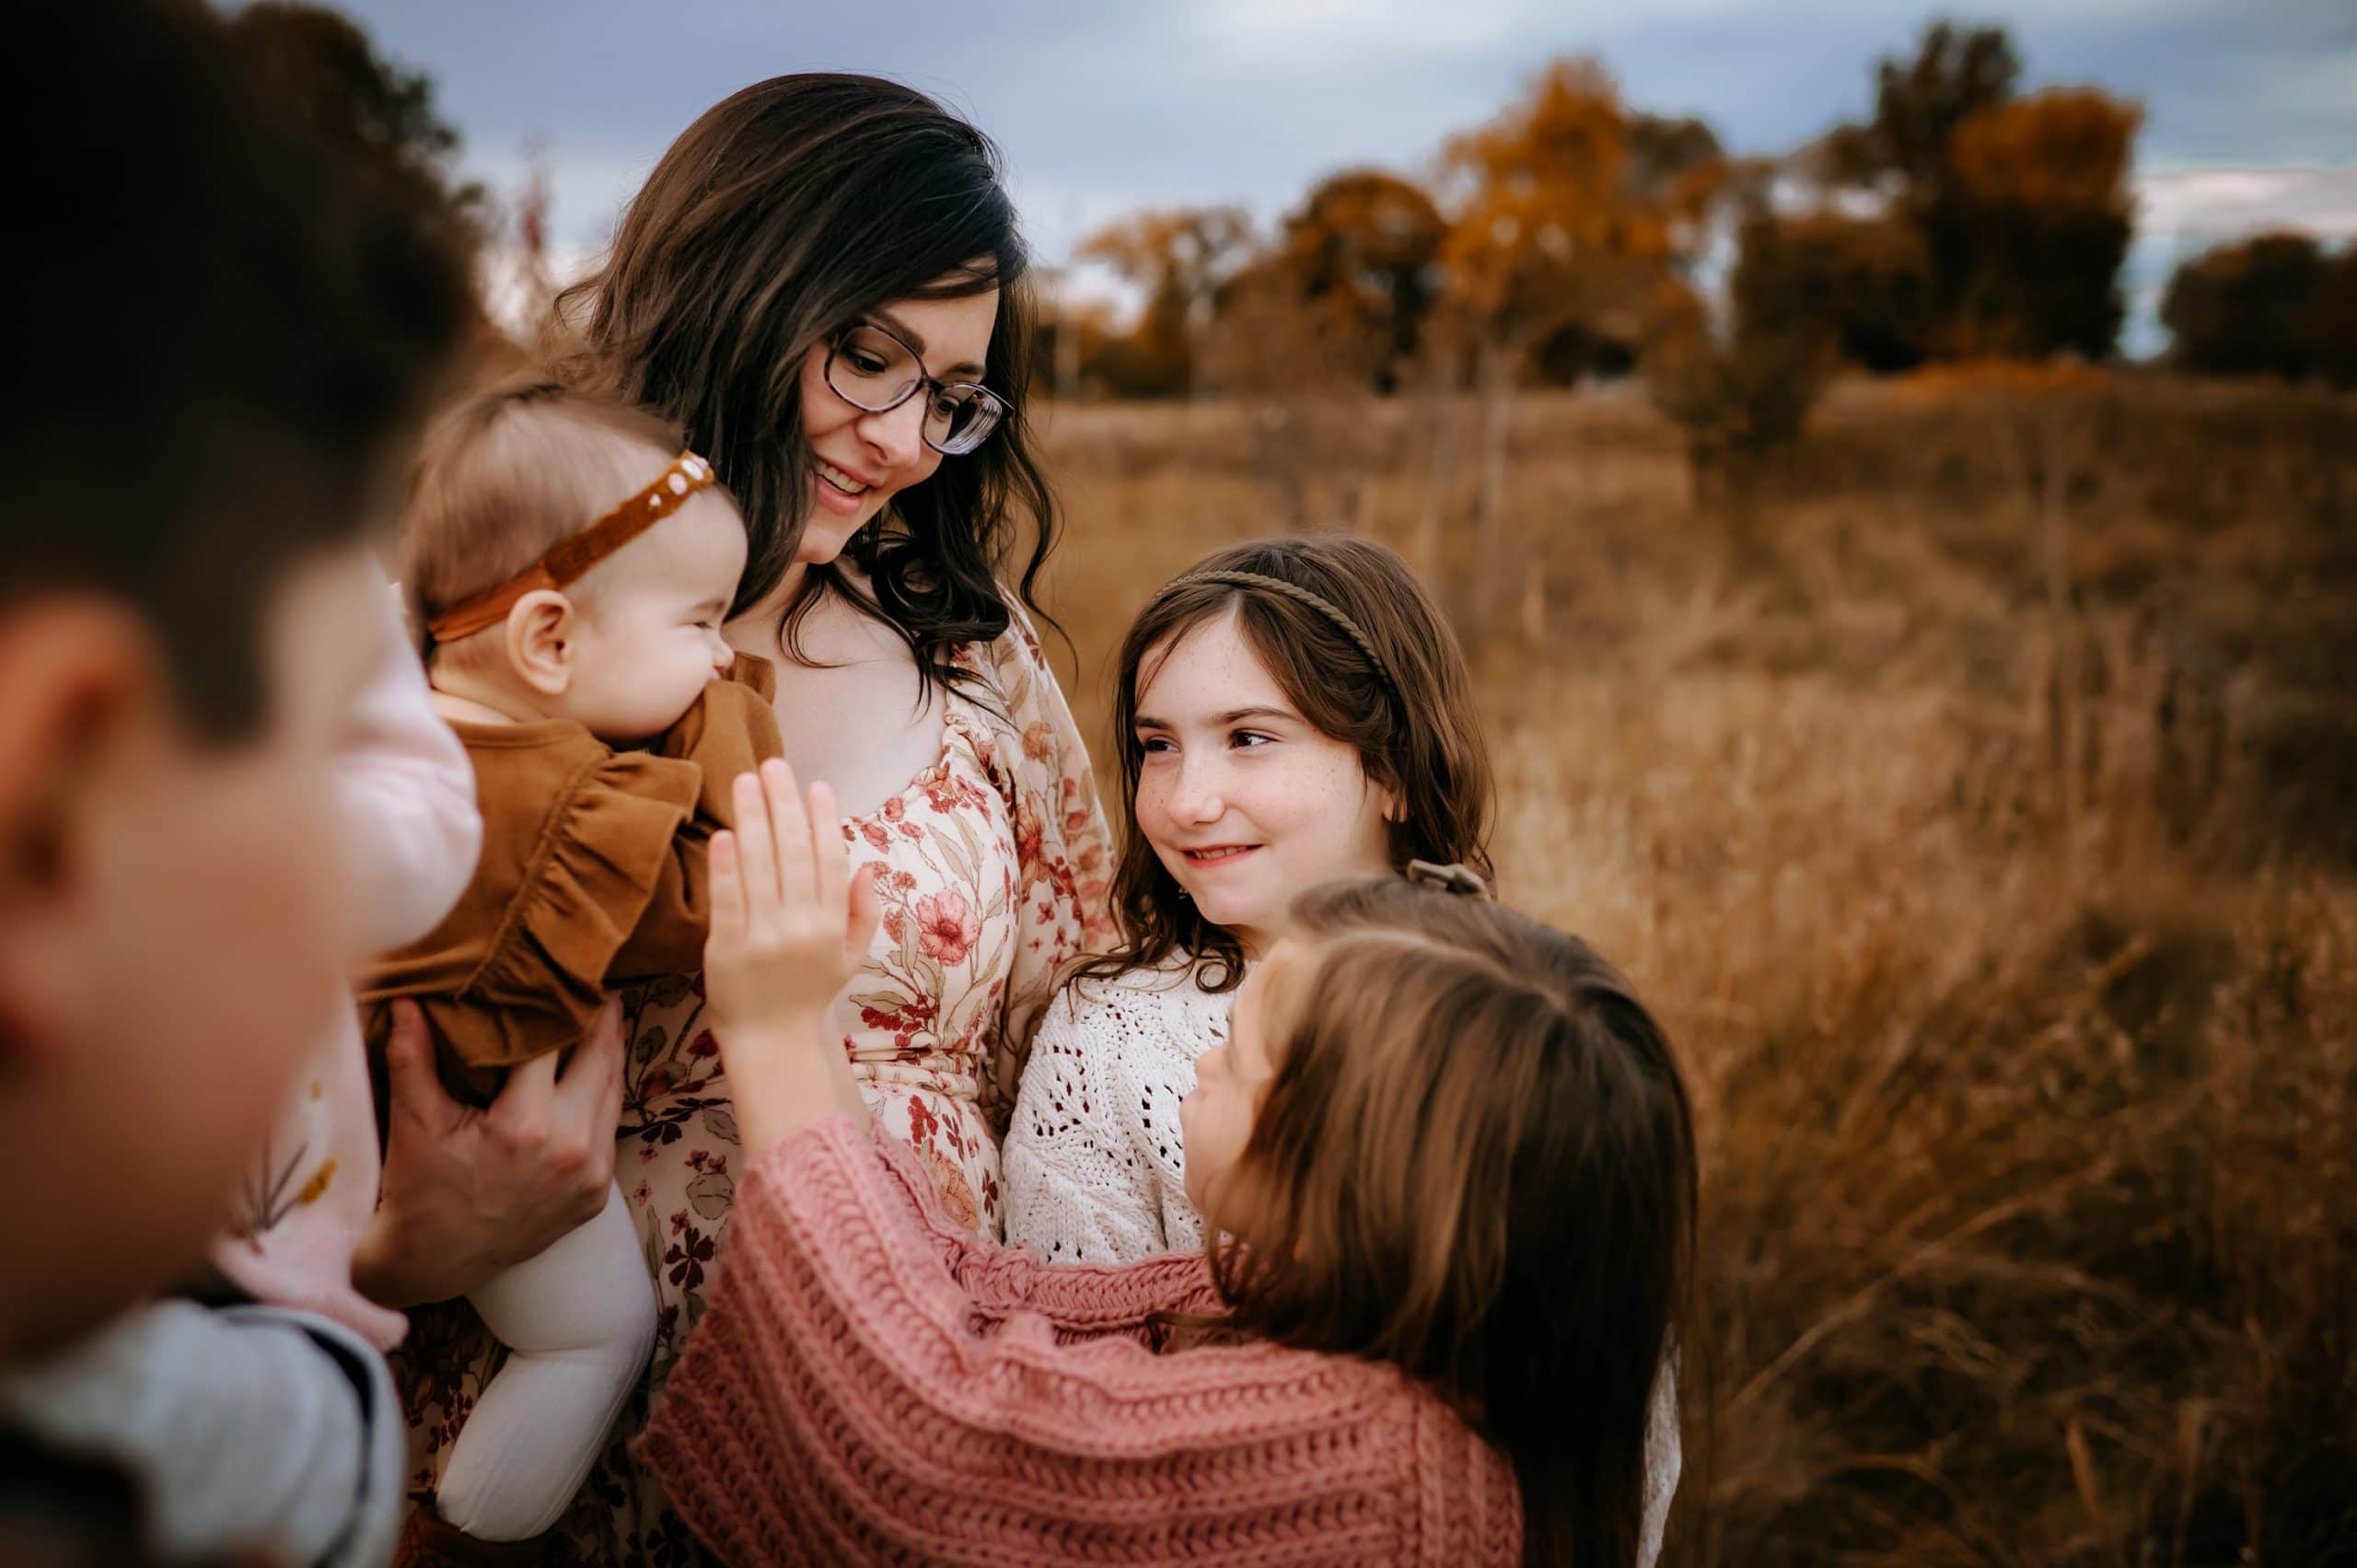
x,y
541,631
73,675
70,672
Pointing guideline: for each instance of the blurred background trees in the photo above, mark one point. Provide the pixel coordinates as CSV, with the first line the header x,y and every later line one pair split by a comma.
x,y
1575,236
2277,303
1177,258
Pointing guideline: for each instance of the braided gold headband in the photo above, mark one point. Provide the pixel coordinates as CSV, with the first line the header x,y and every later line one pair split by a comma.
x,y
1317,602
569,559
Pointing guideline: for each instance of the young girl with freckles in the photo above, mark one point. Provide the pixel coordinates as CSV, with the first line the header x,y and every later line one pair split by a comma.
x,y
1289,712
1447,1156
571,566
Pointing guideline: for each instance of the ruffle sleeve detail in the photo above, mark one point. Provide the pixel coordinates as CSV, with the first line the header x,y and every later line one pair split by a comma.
x,y
732,729
602,858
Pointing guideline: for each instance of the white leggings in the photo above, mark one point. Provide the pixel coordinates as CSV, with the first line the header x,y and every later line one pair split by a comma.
x,y
578,1322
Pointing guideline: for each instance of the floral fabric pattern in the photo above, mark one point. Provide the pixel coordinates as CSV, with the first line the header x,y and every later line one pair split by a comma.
x,y
992,868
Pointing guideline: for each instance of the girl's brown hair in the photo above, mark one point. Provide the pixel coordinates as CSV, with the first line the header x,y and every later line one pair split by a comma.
x,y
1366,658
1475,1161
775,222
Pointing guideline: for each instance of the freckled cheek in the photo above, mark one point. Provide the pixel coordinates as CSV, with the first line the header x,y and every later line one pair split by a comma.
x,y
1308,797
1152,808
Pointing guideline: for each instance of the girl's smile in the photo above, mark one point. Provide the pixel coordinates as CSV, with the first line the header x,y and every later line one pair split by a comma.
x,y
1245,802
1217,855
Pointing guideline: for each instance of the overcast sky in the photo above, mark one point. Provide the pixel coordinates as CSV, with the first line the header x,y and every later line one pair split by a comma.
x,y
1103,106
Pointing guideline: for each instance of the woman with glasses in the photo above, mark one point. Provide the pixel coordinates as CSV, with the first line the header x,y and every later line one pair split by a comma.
x,y
822,282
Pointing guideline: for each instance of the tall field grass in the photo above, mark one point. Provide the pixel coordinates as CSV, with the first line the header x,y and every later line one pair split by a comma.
x,y
1977,800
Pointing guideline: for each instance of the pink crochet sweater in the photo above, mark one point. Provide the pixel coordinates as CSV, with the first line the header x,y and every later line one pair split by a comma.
x,y
872,1384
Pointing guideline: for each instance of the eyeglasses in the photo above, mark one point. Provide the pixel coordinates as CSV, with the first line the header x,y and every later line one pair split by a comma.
x,y
872,369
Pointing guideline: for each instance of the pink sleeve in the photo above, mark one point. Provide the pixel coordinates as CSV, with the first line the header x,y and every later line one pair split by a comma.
x,y
1076,1299
407,796
859,1390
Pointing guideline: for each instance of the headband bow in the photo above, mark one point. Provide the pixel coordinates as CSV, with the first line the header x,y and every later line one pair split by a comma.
x,y
1451,879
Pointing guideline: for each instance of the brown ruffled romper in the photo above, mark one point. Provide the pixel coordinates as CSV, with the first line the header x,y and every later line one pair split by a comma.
x,y
592,877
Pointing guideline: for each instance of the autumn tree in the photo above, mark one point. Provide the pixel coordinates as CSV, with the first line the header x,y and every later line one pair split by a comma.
x,y
2021,205
1359,259
380,117
1739,376
2251,307
2040,187
1178,258
1568,208
1567,211
1867,280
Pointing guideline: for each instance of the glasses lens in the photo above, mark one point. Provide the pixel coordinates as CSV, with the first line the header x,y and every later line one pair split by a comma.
x,y
871,370
959,419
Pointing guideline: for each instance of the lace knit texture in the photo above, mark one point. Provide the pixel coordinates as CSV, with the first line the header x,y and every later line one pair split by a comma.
x,y
1095,1173
872,1383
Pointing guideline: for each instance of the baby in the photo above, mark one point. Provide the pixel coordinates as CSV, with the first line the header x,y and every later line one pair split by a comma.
x,y
570,567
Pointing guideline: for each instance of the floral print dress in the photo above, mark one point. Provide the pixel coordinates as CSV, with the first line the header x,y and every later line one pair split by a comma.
x,y
992,868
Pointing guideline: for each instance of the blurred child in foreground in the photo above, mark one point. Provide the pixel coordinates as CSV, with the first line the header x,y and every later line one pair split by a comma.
x,y
218,343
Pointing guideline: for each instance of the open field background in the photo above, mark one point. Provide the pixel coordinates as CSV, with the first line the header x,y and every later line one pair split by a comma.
x,y
1978,802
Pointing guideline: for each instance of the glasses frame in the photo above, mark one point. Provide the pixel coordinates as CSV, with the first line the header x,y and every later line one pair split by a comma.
x,y
924,383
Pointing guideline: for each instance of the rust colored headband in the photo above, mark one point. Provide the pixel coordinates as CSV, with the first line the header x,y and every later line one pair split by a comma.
x,y
569,559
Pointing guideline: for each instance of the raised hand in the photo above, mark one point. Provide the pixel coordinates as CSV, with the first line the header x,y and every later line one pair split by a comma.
x,y
789,927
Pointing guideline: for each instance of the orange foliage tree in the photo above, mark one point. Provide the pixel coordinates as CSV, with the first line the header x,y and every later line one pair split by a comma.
x,y
2042,188
1568,210
2021,205
1568,213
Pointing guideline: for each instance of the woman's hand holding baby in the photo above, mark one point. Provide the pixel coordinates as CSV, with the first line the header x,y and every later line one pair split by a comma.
x,y
790,925
467,1193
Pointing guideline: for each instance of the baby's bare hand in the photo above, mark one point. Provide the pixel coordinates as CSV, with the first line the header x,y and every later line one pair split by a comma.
x,y
790,924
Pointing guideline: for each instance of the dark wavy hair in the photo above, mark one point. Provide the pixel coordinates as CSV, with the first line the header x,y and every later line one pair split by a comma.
x,y
784,214
1411,719
1475,1161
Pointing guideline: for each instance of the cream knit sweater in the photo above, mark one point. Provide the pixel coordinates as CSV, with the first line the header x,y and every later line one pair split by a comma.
x,y
1094,1170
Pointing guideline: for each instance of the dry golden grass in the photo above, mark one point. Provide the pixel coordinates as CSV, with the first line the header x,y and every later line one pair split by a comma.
x,y
1980,807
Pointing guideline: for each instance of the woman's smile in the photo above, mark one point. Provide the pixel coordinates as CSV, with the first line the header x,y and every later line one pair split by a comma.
x,y
837,489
